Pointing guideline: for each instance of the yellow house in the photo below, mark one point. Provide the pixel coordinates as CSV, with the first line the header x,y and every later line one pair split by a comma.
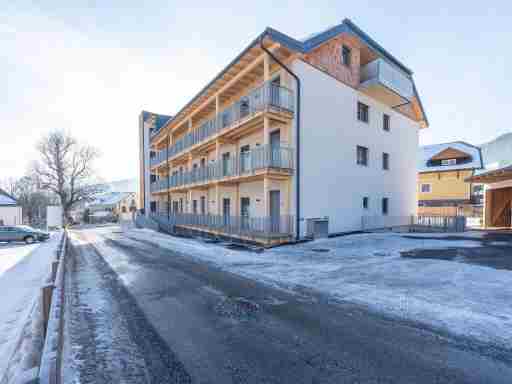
x,y
442,171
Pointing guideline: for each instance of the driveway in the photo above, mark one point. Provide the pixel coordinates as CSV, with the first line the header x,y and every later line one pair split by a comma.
x,y
149,308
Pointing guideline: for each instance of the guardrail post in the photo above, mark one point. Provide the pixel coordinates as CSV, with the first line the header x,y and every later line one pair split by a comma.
x,y
46,297
55,266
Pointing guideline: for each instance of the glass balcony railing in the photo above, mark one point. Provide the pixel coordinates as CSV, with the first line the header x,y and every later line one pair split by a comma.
x,y
381,72
267,95
240,165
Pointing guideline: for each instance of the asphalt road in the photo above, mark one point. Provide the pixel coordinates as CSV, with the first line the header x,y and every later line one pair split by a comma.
x,y
139,313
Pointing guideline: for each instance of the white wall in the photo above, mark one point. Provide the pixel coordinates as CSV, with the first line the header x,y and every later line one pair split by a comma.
x,y
11,215
332,184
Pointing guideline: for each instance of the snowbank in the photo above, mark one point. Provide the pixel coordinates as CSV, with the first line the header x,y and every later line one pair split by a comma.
x,y
24,269
464,299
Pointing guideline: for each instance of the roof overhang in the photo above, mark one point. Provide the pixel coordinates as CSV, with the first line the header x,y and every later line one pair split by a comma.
x,y
282,46
493,176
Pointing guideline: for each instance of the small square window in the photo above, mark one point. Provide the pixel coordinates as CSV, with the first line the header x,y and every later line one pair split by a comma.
x,y
449,162
385,206
385,161
386,124
346,54
366,201
362,112
426,188
362,155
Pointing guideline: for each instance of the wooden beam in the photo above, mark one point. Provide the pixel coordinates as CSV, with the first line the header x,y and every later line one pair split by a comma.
x,y
246,70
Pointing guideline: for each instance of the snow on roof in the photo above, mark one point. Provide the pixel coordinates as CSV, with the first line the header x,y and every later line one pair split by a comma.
x,y
110,198
6,199
497,153
425,153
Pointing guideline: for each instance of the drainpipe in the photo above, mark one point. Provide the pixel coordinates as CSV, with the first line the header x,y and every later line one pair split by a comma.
x,y
297,134
168,180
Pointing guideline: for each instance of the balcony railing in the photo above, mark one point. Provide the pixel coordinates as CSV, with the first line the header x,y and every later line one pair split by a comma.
x,y
243,164
254,228
267,95
384,73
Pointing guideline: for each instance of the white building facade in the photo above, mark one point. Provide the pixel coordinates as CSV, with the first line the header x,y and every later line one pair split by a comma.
x,y
322,130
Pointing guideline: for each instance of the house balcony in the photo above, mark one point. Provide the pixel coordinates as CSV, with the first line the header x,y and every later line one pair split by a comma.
x,y
268,97
384,82
262,230
260,160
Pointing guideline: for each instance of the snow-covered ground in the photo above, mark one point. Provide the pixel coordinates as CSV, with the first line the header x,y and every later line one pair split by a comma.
x,y
23,270
464,299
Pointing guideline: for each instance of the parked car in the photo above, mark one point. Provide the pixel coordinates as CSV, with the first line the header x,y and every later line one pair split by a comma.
x,y
22,233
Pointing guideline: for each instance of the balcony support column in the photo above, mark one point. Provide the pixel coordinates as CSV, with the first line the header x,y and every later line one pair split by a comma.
x,y
266,130
266,67
217,200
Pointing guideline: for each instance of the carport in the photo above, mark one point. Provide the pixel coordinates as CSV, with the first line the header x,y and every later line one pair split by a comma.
x,y
498,196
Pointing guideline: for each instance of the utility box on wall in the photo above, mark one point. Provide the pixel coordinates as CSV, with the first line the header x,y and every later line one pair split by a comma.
x,y
317,227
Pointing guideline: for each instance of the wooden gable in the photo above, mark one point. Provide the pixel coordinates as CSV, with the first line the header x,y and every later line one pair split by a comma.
x,y
450,153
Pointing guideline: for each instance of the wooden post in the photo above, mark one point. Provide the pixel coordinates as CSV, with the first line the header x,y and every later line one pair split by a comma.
x,y
46,295
55,266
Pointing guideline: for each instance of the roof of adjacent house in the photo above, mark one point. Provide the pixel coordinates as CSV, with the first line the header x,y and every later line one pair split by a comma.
x,y
6,199
109,199
307,45
497,153
427,152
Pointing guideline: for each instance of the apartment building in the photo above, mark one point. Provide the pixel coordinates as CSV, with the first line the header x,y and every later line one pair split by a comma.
x,y
292,137
442,172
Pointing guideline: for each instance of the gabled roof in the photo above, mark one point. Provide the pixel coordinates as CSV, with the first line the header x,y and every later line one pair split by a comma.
x,y
6,199
307,45
426,153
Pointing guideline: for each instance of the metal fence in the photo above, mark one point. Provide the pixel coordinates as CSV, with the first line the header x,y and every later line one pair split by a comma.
x,y
264,96
260,229
239,164
415,223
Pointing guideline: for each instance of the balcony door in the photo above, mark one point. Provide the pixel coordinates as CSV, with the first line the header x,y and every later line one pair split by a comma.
x,y
225,164
226,210
275,210
245,203
275,99
275,144
245,153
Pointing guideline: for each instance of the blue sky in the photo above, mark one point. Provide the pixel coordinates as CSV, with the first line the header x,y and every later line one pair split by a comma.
x,y
90,67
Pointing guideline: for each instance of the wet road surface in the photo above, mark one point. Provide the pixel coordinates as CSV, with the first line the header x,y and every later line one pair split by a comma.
x,y
143,314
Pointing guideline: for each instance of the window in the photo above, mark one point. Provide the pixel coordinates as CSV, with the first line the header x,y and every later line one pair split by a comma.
x,y
203,205
362,155
152,206
152,177
386,122
385,161
345,55
194,207
362,112
448,161
385,205
426,188
366,202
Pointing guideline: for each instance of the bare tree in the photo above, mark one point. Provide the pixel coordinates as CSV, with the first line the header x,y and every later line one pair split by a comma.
x,y
65,167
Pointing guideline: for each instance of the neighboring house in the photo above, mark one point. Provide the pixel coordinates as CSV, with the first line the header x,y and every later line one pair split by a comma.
x,y
442,170
10,212
497,177
113,203
241,158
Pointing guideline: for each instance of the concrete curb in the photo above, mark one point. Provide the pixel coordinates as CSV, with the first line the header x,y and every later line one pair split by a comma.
x,y
53,313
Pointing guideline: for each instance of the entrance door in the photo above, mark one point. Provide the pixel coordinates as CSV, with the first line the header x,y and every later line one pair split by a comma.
x,y
275,210
275,153
226,210
245,203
